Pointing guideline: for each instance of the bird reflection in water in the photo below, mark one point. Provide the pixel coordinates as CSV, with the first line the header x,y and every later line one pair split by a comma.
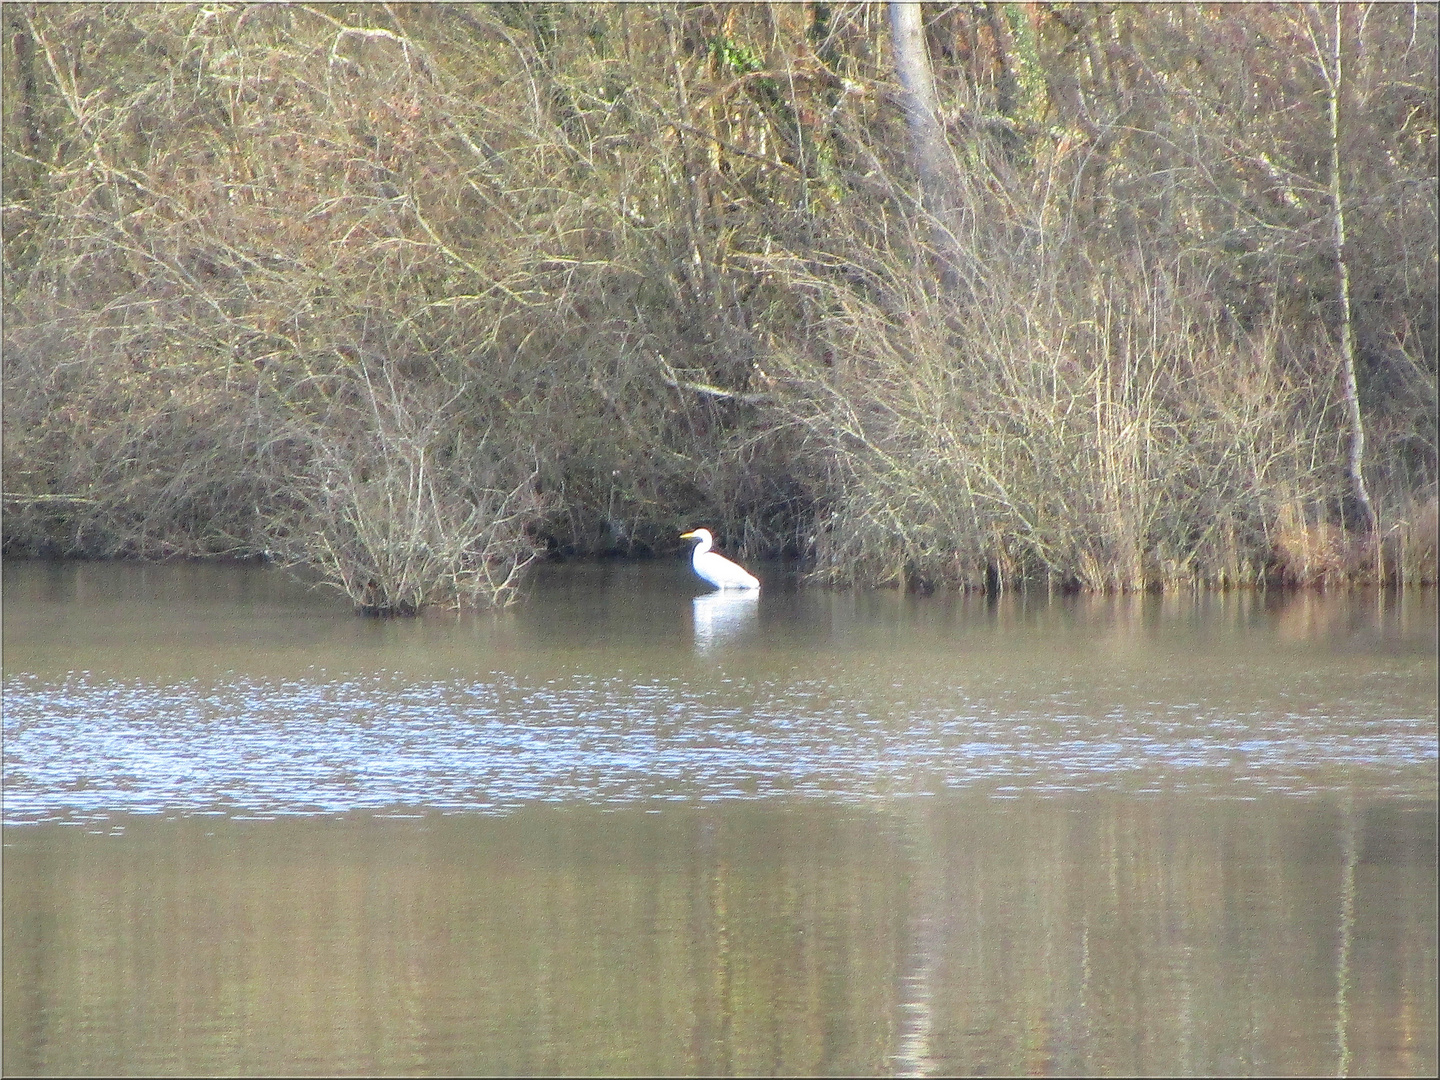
x,y
723,616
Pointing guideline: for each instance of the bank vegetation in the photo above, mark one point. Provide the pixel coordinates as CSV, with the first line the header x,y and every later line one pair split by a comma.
x,y
1095,297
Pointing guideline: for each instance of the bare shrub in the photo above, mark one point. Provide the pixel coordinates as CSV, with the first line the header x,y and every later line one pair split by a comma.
x,y
1412,544
1110,437
197,305
390,505
124,449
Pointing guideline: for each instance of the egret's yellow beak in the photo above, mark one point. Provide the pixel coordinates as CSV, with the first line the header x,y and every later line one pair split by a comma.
x,y
687,536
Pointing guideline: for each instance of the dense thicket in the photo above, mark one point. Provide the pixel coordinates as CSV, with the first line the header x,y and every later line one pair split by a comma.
x,y
410,293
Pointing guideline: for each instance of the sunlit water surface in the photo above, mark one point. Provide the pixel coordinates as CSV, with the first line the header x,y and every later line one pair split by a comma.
x,y
625,827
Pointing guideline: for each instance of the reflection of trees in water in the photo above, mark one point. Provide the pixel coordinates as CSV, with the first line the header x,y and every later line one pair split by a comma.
x,y
953,935
1349,843
1114,934
924,931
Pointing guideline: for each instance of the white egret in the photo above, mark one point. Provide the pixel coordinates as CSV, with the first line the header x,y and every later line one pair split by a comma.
x,y
714,567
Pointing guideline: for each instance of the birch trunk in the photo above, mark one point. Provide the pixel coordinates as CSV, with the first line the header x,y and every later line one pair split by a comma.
x,y
1333,73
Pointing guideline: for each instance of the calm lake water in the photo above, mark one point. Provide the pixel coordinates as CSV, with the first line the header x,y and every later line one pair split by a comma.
x,y
622,828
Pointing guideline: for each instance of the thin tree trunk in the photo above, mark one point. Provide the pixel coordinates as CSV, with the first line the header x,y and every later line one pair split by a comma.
x,y
1349,387
29,96
1007,85
933,162
693,181
922,106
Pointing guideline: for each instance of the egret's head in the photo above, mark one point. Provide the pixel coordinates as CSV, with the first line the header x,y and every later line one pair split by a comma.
x,y
698,534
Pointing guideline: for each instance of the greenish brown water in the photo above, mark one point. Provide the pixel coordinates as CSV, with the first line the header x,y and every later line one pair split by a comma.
x,y
622,829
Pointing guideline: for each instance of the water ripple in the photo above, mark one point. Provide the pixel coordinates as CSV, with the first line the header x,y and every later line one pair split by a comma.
x,y
88,747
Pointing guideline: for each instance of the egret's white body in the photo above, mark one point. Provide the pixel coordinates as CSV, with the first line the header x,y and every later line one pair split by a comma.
x,y
714,567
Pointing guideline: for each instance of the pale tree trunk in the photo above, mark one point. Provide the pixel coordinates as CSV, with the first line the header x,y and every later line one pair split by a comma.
x,y
1328,55
933,161
922,106
695,205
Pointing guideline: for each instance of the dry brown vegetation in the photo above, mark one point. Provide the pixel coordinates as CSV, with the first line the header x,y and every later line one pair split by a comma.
x,y
410,294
